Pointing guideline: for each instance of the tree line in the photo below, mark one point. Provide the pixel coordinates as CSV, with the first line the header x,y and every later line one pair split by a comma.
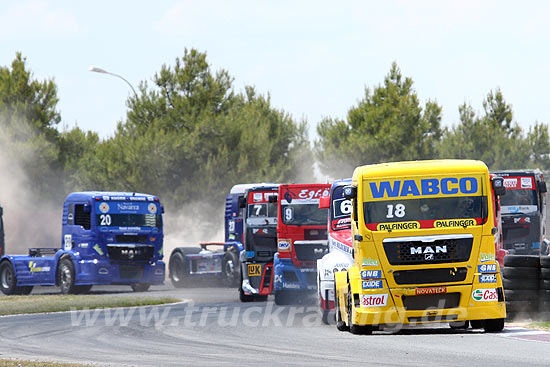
x,y
189,135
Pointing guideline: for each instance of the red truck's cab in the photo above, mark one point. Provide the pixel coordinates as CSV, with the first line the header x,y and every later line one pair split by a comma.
x,y
301,239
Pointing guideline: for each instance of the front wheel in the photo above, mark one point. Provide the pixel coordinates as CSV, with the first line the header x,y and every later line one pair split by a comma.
x,y
140,287
231,269
353,328
283,298
66,276
493,325
340,324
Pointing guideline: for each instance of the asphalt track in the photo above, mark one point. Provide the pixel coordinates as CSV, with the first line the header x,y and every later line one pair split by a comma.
x,y
213,328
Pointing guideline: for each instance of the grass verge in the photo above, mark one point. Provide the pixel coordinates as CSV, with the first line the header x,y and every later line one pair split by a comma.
x,y
545,325
18,363
14,305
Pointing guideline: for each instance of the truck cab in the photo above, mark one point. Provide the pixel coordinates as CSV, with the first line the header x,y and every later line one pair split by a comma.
x,y
524,212
301,241
259,206
340,246
107,238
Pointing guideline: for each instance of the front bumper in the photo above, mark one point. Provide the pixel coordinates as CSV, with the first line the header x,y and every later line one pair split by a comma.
x,y
287,277
105,272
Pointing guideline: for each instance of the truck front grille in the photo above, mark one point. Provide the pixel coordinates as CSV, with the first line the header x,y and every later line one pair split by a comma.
x,y
431,301
310,251
131,253
430,276
125,238
437,251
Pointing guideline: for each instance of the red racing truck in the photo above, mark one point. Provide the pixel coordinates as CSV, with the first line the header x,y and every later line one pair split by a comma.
x,y
301,241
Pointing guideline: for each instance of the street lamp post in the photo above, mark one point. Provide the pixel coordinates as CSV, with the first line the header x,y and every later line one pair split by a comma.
x,y
102,71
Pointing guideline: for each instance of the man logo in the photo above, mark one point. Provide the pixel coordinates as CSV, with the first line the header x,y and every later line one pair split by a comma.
x,y
429,257
428,250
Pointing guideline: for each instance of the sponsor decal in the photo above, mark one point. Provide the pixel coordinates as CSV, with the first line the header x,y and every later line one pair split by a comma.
x,y
434,290
486,257
312,194
137,198
398,226
371,284
254,270
127,206
283,245
257,196
510,183
511,209
260,230
278,278
104,208
454,223
522,220
371,274
487,278
526,183
152,208
291,285
339,246
369,262
424,187
487,268
342,223
485,295
374,300
98,249
37,269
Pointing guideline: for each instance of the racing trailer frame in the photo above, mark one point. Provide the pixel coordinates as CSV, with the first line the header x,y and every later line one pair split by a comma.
x,y
107,238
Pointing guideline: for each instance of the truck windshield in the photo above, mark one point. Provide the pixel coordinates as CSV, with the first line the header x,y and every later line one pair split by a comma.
x,y
428,209
517,197
129,220
304,214
341,210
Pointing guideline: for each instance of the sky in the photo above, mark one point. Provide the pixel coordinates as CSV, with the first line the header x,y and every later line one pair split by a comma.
x,y
314,58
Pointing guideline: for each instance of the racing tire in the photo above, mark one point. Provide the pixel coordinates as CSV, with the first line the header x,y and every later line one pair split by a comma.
x,y
458,325
231,269
545,273
24,291
545,261
325,317
529,261
178,268
520,273
340,324
83,289
476,324
140,287
544,284
66,276
493,325
283,298
242,296
519,284
520,295
260,298
8,280
353,328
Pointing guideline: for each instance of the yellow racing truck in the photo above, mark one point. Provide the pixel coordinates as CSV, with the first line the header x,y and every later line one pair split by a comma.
x,y
424,239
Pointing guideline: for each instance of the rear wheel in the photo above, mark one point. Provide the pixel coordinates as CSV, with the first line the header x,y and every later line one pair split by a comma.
x,y
8,280
493,325
178,267
231,269
66,276
140,287
476,324
459,324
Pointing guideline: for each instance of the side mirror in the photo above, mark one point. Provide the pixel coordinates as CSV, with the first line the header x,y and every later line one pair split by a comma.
x,y
350,192
498,186
162,209
242,202
542,187
87,208
324,202
273,198
1,211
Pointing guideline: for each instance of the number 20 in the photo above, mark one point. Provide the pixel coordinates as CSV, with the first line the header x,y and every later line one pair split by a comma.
x,y
105,220
399,211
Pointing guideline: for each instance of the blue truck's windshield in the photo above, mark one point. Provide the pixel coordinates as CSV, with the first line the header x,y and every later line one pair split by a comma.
x,y
128,214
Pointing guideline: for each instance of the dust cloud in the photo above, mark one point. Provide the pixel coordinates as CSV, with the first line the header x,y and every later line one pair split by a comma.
x,y
29,220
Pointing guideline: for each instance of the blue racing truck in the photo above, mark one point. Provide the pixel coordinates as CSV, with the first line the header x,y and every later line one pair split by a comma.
x,y
189,266
107,238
